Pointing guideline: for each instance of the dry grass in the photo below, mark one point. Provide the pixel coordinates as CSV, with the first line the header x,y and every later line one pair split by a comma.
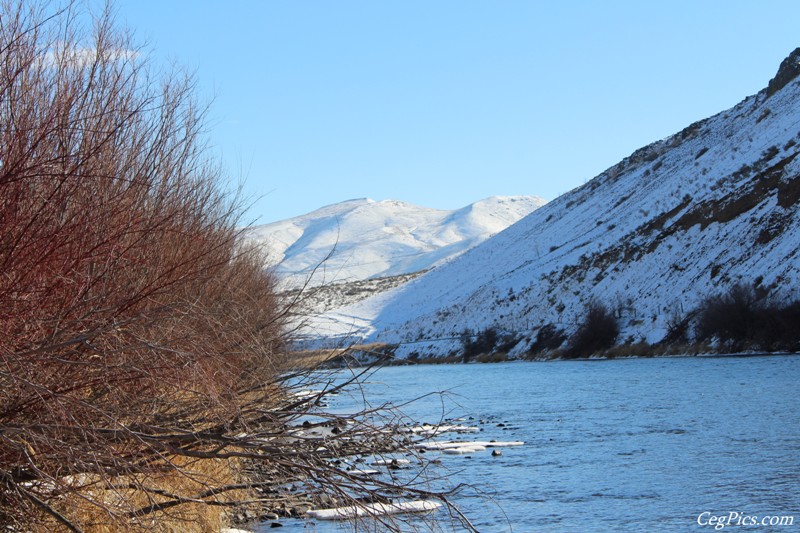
x,y
313,358
307,359
103,506
495,357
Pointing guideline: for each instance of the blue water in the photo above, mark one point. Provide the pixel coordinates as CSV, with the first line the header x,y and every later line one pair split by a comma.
x,y
619,445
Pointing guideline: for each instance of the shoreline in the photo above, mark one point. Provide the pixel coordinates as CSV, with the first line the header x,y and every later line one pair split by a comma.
x,y
342,361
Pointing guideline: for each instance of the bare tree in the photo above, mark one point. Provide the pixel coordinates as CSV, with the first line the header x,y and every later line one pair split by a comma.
x,y
143,376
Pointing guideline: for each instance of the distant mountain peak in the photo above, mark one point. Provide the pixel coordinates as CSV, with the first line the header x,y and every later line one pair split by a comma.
x,y
362,238
788,70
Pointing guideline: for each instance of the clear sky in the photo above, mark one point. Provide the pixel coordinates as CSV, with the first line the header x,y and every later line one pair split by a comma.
x,y
444,102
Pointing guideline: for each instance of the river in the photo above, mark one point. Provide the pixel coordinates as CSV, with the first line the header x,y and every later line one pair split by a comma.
x,y
616,445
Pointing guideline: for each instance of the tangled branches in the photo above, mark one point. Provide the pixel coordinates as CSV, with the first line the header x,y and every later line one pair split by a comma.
x,y
143,376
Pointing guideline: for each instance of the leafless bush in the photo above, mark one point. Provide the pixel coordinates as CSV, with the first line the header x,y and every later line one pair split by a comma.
x,y
746,318
548,338
598,331
483,342
678,324
140,348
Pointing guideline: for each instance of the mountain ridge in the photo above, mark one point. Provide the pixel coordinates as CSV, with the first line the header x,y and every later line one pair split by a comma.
x,y
362,238
678,220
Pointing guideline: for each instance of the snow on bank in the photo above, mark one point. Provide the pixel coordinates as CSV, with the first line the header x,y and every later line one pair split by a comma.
x,y
374,509
454,445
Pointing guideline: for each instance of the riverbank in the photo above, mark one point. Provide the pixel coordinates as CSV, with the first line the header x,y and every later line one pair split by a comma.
x,y
358,356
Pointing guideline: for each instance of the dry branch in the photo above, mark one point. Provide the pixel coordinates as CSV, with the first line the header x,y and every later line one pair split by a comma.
x,y
143,376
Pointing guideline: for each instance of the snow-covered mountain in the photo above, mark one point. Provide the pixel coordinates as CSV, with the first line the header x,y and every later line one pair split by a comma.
x,y
681,219
362,239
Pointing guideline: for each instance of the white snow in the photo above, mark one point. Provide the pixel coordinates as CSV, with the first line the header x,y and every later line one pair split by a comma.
x,y
391,462
373,509
361,239
433,429
453,445
463,450
363,472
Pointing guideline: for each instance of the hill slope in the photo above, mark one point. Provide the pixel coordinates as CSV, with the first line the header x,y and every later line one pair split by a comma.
x,y
361,239
685,217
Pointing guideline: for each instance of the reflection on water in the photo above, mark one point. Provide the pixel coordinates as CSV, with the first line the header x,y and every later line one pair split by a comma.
x,y
622,445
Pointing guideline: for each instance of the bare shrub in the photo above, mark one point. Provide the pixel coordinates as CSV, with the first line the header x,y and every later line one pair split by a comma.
x,y
548,338
507,342
479,343
678,327
729,317
745,318
598,331
128,312
141,349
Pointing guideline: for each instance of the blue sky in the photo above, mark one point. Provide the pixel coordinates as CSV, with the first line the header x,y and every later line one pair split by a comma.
x,y
442,103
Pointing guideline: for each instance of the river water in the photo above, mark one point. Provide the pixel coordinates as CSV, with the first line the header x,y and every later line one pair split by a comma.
x,y
618,445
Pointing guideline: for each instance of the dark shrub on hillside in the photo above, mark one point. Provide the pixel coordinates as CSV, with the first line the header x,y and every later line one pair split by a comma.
x,y
745,319
480,343
677,328
507,342
729,318
598,331
778,327
548,338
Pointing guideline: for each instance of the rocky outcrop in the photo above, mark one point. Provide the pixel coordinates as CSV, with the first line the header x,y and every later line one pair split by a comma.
x,y
789,70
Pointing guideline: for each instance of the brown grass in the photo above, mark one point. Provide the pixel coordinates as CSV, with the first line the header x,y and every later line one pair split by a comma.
x,y
495,357
102,505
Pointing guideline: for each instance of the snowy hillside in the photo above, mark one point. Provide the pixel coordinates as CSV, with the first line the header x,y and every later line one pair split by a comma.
x,y
361,239
677,221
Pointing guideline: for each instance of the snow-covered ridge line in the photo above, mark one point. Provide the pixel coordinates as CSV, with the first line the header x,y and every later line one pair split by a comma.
x,y
686,217
363,239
